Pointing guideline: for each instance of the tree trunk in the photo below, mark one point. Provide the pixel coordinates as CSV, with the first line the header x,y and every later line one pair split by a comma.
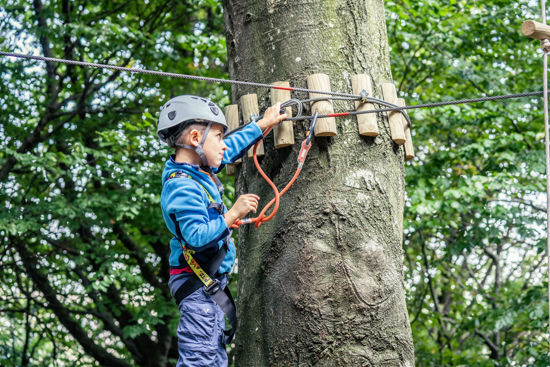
x,y
322,283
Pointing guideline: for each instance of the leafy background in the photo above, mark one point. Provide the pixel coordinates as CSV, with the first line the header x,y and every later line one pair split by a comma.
x,y
83,249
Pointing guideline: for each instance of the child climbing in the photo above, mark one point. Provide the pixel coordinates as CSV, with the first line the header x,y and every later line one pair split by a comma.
x,y
202,252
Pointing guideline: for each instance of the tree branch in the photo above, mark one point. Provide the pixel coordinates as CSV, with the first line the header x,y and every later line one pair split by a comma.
x,y
146,271
489,343
42,283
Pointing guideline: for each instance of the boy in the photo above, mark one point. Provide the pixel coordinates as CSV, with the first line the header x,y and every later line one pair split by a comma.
x,y
202,253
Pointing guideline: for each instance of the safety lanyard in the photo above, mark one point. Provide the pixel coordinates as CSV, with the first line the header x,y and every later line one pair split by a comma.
x,y
306,145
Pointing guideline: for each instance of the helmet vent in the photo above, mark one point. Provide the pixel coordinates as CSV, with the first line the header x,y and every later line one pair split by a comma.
x,y
214,110
171,115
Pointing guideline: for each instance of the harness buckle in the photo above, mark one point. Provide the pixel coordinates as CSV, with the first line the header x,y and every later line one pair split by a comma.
x,y
212,288
218,206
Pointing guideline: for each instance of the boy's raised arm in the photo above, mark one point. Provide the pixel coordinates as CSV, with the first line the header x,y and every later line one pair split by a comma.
x,y
239,142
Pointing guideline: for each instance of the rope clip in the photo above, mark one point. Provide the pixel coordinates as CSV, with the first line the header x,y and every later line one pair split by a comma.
x,y
306,144
311,128
364,96
545,45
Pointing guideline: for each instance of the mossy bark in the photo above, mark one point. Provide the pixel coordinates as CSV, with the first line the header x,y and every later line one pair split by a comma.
x,y
322,283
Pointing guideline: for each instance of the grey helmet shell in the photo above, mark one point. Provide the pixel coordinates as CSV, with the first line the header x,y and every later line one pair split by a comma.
x,y
184,110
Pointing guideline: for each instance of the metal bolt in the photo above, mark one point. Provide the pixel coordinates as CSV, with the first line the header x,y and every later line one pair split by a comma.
x,y
364,96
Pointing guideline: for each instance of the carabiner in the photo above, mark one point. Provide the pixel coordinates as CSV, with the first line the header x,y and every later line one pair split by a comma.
x,y
306,144
311,128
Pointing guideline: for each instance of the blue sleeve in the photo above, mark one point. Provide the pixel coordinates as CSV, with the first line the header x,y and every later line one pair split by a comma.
x,y
240,141
190,206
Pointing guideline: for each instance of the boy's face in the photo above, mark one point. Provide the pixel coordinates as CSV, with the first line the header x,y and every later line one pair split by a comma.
x,y
214,146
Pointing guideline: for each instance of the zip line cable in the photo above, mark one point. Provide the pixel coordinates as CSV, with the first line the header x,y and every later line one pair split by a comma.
x,y
173,75
344,96
424,105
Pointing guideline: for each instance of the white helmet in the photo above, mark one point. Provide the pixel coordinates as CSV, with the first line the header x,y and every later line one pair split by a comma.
x,y
180,112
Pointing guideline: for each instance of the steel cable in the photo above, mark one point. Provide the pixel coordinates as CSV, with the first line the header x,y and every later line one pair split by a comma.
x,y
173,75
336,95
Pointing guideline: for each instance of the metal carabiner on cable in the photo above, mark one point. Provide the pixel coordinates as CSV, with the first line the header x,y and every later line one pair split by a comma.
x,y
306,144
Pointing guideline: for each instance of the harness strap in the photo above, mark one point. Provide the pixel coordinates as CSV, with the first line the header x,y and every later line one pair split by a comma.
x,y
213,204
205,275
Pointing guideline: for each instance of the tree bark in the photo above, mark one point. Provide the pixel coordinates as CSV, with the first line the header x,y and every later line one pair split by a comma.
x,y
322,283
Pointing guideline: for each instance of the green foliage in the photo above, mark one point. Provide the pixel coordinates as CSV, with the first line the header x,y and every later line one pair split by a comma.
x,y
80,169
474,221
80,178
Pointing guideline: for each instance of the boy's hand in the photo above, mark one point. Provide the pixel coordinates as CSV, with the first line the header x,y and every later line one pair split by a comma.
x,y
271,117
245,204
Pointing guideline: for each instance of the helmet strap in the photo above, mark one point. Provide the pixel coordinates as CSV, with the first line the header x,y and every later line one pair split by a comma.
x,y
198,149
215,178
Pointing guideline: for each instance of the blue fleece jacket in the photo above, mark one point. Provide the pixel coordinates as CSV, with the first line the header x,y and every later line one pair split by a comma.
x,y
201,228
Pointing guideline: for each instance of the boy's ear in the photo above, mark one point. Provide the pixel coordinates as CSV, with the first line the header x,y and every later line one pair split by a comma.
x,y
194,137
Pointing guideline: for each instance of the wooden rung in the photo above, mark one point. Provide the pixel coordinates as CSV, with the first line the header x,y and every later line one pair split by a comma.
x,y
325,126
409,148
396,126
249,105
367,121
232,118
283,132
230,170
535,30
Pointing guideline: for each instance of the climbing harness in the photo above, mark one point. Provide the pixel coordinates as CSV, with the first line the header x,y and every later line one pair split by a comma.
x,y
205,274
262,218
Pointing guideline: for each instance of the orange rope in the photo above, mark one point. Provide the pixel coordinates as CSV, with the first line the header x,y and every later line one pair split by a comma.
x,y
261,218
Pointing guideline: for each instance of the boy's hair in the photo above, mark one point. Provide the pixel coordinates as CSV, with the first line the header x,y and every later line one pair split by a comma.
x,y
195,125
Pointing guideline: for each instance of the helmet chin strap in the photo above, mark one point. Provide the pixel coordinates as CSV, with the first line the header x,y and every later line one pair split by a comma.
x,y
198,149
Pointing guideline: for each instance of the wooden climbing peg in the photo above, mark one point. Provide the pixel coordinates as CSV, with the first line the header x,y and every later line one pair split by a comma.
x,y
283,132
396,126
232,118
535,30
367,121
325,126
409,148
249,105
